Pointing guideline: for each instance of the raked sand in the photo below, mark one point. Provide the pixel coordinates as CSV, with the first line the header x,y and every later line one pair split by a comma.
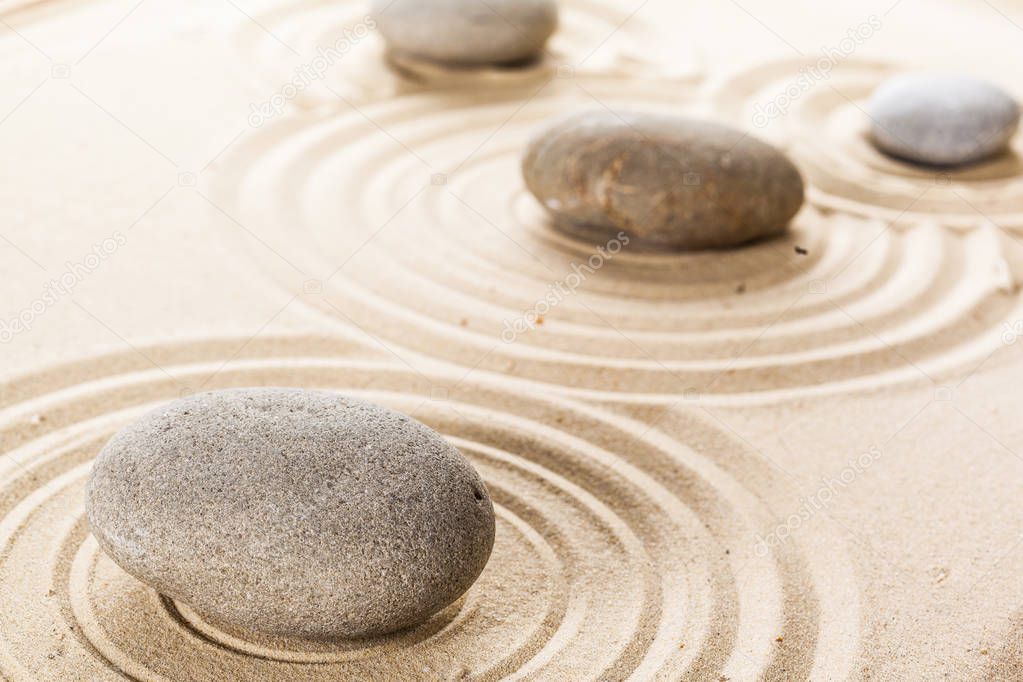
x,y
799,459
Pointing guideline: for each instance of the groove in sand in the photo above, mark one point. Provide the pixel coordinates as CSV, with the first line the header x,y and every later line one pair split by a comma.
x,y
826,128
595,41
622,506
425,239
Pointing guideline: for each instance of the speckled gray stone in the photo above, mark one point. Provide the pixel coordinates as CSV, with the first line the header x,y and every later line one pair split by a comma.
x,y
292,512
941,119
668,182
466,32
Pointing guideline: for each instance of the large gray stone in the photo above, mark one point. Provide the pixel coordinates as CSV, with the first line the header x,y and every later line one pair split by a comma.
x,y
666,181
467,32
292,512
941,119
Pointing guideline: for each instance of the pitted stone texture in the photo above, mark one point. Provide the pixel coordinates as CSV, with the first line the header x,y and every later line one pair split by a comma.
x,y
292,512
668,182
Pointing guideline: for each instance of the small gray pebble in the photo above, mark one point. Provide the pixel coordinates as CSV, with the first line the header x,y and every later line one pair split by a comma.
x,y
292,512
466,32
941,119
669,182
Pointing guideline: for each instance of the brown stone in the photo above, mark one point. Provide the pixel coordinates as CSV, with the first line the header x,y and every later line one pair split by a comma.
x,y
668,182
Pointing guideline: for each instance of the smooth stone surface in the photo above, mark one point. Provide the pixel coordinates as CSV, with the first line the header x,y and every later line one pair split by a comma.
x,y
941,119
668,182
292,512
466,32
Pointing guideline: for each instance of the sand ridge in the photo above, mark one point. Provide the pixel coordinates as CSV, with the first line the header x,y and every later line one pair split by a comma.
x,y
574,517
828,132
668,450
349,63
849,300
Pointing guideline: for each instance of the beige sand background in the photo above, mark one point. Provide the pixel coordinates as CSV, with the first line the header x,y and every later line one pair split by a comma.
x,y
757,464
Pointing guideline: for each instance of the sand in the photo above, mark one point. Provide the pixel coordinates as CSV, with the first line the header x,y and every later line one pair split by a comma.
x,y
799,459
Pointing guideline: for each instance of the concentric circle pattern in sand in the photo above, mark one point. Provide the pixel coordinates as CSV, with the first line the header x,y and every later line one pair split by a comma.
x,y
818,110
329,49
621,550
417,228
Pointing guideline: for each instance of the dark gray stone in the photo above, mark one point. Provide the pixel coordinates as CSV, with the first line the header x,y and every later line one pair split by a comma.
x,y
292,512
941,119
666,181
466,32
